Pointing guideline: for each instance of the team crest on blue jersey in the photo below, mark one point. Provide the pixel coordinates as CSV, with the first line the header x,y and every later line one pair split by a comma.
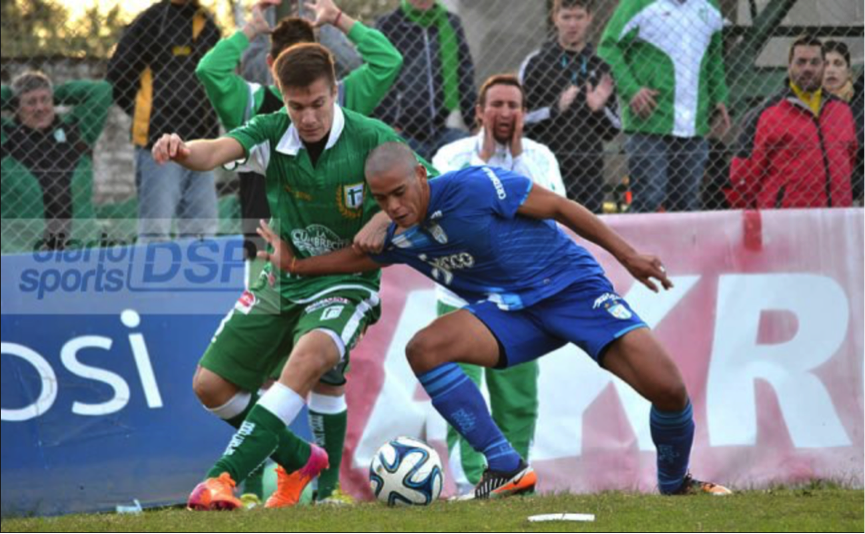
x,y
349,198
438,233
619,311
613,304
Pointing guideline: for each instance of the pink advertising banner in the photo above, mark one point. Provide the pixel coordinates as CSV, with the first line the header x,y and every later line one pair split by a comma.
x,y
765,322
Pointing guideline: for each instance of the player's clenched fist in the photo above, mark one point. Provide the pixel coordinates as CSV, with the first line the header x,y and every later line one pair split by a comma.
x,y
170,147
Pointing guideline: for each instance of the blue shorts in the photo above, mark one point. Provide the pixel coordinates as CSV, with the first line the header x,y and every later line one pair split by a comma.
x,y
589,314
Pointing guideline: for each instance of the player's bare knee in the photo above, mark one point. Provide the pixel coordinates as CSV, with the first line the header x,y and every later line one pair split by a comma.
x,y
671,396
422,352
315,361
211,390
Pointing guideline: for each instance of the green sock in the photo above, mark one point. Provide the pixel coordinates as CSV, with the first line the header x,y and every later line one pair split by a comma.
x,y
261,435
254,483
329,432
292,454
238,419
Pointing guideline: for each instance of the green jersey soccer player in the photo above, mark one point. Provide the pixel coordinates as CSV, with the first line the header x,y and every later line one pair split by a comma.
x,y
313,158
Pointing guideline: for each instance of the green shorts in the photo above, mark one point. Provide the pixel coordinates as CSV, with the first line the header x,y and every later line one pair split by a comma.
x,y
257,336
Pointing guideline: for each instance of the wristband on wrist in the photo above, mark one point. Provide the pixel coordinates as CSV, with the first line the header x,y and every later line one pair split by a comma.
x,y
293,263
336,20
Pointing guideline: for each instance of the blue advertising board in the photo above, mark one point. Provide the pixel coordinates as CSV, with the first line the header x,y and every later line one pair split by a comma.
x,y
97,404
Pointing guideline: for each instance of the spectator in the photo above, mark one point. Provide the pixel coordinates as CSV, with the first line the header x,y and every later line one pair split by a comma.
x,y
437,78
253,66
513,392
667,60
153,73
237,100
47,168
570,92
838,80
798,149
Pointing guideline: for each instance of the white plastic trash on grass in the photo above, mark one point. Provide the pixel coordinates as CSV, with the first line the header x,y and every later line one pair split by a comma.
x,y
134,509
561,517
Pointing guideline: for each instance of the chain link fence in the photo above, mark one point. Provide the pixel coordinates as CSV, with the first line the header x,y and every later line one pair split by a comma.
x,y
664,105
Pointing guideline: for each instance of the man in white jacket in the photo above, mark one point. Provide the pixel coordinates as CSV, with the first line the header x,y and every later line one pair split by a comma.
x,y
513,392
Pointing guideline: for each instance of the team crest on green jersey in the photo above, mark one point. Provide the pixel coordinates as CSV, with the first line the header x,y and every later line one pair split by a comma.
x,y
349,198
316,239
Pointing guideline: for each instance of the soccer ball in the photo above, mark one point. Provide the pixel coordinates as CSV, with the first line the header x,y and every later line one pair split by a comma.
x,y
406,471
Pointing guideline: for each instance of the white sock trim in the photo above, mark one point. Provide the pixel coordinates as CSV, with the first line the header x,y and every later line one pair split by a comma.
x,y
233,407
327,404
283,402
340,344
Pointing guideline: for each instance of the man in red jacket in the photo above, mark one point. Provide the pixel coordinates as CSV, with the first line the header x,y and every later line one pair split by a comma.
x,y
798,150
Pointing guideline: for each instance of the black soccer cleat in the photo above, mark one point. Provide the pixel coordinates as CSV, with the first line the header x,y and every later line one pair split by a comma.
x,y
495,484
692,486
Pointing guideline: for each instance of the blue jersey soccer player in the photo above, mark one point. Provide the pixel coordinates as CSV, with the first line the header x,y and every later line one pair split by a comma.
x,y
489,235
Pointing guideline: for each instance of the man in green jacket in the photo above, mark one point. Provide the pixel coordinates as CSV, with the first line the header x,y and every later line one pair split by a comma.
x,y
237,101
47,168
667,61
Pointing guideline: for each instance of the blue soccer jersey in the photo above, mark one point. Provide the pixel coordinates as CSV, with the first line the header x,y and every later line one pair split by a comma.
x,y
473,242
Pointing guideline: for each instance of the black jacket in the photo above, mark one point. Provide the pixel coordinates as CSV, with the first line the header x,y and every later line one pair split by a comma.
x,y
578,131
857,105
415,103
153,73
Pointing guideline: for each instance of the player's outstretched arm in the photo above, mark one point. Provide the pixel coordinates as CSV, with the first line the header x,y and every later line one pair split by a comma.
x,y
201,155
544,204
344,261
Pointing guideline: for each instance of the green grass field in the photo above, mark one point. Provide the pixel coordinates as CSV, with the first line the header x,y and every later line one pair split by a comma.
x,y
817,507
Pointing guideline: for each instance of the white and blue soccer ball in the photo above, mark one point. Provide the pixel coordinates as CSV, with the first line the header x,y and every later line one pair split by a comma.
x,y
406,471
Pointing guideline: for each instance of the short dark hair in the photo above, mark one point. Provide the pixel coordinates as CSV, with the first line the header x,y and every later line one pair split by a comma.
x,y
303,64
290,31
388,155
500,79
558,5
805,40
839,48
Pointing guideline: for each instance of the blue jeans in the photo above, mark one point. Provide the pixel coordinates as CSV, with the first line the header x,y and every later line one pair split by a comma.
x,y
666,171
427,149
169,191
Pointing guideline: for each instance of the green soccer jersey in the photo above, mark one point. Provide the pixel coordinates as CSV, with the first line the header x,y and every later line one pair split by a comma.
x,y
319,209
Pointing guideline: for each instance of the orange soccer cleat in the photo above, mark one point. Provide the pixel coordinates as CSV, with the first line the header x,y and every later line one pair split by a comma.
x,y
214,494
289,486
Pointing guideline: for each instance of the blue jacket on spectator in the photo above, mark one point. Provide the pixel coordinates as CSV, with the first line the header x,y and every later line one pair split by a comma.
x,y
416,103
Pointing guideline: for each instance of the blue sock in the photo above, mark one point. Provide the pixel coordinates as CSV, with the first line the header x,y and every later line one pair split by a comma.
x,y
460,402
673,434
